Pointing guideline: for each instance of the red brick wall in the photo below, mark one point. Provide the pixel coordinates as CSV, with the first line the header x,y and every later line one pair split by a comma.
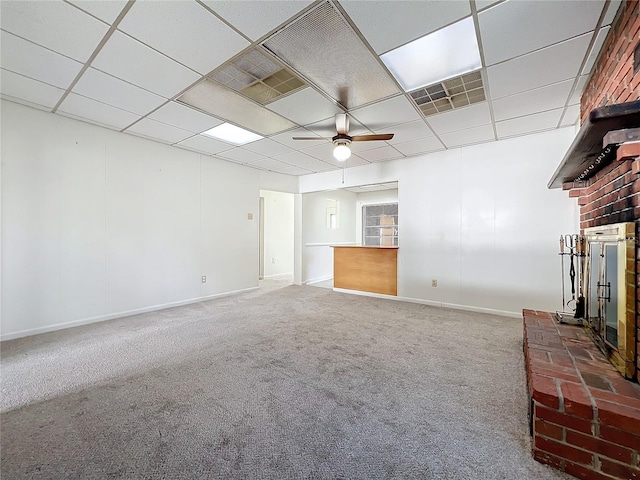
x,y
613,195
613,80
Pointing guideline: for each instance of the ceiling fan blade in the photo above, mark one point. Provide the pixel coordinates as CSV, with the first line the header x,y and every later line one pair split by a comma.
x,y
368,138
310,138
342,123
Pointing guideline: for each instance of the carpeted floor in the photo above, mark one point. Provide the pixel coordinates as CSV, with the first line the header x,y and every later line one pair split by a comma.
x,y
280,383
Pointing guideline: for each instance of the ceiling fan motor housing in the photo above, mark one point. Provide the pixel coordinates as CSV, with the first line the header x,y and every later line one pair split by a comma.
x,y
341,139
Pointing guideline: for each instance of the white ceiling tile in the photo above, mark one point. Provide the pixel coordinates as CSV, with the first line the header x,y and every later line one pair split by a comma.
x,y
424,145
185,117
543,67
57,26
315,165
268,148
159,131
387,25
241,155
264,17
271,164
357,147
324,151
532,101
356,161
204,144
386,113
16,86
352,161
166,33
297,158
468,137
380,154
324,167
96,112
407,132
304,107
614,5
461,119
293,171
577,92
529,124
327,127
105,10
571,115
31,60
286,138
595,50
113,91
130,60
515,28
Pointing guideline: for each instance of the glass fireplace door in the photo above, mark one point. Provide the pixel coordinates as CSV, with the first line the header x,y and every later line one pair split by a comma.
x,y
603,290
610,292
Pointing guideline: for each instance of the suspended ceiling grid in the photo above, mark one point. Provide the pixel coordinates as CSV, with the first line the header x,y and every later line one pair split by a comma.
x,y
123,65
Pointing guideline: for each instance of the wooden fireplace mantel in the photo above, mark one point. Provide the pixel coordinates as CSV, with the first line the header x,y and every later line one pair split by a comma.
x,y
587,152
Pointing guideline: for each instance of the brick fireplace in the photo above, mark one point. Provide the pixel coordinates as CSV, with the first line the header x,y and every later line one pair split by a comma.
x,y
585,415
613,195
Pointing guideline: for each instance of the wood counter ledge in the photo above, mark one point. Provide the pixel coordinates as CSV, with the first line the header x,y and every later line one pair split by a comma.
x,y
365,268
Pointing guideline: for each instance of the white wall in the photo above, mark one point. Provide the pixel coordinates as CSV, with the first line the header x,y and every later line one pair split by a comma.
x,y
479,220
372,198
317,238
98,224
278,233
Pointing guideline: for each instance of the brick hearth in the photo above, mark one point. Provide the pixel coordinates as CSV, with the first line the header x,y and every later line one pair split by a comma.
x,y
585,416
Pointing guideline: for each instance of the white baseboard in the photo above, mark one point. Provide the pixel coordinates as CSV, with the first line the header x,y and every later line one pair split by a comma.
x,y
112,316
317,280
279,275
432,303
492,311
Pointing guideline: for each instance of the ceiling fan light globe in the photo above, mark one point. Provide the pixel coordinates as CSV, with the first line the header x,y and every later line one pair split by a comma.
x,y
341,153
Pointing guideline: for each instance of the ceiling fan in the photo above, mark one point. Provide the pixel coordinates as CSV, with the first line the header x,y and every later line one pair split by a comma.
x,y
342,140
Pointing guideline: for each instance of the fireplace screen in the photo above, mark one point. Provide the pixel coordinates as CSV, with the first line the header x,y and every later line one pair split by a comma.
x,y
610,275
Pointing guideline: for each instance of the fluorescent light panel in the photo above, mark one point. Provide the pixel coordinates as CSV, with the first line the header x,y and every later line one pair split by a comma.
x,y
232,134
443,54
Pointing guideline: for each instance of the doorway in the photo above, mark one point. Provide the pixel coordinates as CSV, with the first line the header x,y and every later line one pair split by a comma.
x,y
276,227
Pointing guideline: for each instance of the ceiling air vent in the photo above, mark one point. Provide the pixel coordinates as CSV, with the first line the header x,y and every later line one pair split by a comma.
x,y
258,77
453,93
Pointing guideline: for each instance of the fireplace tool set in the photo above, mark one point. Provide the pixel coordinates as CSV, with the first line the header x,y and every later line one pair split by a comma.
x,y
573,246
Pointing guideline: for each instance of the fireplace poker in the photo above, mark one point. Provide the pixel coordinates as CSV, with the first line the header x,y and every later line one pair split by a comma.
x,y
580,244
562,264
570,241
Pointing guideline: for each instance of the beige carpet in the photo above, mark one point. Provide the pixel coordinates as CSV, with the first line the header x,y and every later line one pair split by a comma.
x,y
282,383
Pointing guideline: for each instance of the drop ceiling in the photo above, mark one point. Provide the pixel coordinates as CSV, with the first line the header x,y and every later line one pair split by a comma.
x,y
153,68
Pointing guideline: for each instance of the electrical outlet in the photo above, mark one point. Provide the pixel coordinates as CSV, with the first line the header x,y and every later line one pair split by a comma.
x,y
204,279
273,260
434,283
249,216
